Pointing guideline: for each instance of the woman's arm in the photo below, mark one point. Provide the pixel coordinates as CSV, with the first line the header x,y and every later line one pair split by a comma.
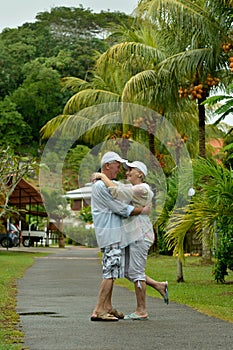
x,y
104,178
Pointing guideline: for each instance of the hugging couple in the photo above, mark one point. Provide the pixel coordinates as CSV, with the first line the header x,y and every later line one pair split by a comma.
x,y
124,233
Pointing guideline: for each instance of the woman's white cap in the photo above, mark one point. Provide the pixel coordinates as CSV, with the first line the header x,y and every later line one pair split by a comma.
x,y
139,165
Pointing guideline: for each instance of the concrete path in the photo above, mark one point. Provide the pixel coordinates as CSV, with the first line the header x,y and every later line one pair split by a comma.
x,y
58,293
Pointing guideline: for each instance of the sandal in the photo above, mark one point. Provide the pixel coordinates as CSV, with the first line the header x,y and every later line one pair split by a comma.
x,y
117,313
165,296
135,317
105,317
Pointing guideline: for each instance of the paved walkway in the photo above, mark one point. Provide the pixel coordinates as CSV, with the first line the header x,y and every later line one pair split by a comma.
x,y
58,293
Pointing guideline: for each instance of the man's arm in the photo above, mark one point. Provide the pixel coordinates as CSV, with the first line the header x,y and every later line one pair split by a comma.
x,y
108,183
104,201
141,210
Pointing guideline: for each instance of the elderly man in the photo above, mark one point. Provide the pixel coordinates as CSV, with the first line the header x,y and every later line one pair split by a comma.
x,y
107,217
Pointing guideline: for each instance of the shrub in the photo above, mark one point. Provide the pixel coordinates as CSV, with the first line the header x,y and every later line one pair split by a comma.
x,y
224,253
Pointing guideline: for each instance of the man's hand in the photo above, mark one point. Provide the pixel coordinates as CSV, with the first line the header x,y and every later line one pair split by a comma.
x,y
146,210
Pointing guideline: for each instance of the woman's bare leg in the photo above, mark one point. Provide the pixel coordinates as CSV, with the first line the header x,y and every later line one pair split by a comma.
x,y
161,287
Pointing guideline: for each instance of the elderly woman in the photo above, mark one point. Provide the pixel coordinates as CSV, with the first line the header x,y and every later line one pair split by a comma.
x,y
137,234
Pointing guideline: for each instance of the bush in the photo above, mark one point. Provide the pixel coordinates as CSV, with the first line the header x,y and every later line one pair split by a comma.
x,y
85,214
81,235
224,253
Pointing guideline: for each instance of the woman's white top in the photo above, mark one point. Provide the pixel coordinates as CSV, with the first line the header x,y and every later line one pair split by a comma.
x,y
138,226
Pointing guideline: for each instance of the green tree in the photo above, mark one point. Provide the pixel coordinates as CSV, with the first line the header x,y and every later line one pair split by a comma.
x,y
78,156
65,41
14,132
39,96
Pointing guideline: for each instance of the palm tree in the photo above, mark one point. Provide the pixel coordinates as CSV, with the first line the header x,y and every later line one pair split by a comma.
x,y
111,78
226,104
197,34
209,206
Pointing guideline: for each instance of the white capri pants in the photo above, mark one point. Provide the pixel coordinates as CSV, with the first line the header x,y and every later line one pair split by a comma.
x,y
135,260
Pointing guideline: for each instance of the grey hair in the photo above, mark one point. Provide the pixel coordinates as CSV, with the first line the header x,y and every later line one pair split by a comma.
x,y
143,176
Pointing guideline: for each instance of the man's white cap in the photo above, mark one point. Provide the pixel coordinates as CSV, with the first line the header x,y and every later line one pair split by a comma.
x,y
139,165
110,157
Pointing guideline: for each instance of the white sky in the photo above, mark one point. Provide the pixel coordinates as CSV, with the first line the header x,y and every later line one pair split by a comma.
x,y
14,13
227,120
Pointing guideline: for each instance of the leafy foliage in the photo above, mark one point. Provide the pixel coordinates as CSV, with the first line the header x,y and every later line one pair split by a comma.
x,y
226,106
224,251
13,169
36,56
14,131
212,202
85,214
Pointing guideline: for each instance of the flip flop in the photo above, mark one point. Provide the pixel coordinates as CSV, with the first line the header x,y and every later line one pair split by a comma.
x,y
166,297
135,317
105,317
117,313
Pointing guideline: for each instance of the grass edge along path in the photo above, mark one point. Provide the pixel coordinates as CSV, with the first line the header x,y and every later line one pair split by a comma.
x,y
12,267
199,290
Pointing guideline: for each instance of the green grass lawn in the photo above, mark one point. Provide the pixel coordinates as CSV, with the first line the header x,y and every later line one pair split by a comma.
x,y
199,290
12,267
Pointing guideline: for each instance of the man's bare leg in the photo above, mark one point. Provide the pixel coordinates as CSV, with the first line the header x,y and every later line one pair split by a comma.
x,y
104,302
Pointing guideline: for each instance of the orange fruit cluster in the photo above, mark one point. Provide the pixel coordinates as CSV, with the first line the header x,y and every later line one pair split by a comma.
x,y
148,123
231,63
119,134
138,122
200,90
227,47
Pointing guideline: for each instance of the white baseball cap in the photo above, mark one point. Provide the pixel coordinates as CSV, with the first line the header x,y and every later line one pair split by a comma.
x,y
110,157
139,165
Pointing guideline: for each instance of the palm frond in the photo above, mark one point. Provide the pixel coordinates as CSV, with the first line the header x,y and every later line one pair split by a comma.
x,y
176,231
88,98
175,14
215,99
51,126
131,54
213,201
74,84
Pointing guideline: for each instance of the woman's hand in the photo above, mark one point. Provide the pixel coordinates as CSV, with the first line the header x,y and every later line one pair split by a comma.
x,y
96,176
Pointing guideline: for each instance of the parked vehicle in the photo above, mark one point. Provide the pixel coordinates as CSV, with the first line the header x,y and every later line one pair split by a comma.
x,y
30,237
10,238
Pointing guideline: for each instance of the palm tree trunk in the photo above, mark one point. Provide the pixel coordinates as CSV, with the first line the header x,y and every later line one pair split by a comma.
x,y
180,277
206,252
201,115
152,143
154,248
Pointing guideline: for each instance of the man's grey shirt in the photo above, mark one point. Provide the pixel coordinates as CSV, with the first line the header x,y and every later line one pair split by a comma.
x,y
107,215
